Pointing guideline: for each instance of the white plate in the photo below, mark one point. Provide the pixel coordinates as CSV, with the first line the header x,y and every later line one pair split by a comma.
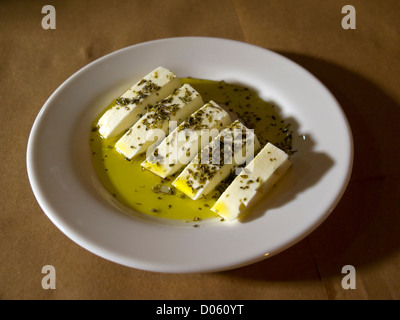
x,y
68,191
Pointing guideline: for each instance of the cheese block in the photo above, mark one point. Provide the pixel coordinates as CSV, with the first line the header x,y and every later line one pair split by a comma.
x,y
131,105
160,117
184,143
256,179
232,147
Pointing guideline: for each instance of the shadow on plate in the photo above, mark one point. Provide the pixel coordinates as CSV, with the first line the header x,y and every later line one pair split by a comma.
x,y
308,167
270,124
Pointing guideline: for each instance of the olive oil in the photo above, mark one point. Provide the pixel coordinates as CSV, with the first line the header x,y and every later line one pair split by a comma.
x,y
147,193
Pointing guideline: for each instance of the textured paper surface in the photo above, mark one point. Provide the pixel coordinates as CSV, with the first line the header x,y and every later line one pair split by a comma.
x,y
361,67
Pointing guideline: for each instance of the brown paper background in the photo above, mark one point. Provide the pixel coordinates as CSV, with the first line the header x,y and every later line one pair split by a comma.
x,y
361,67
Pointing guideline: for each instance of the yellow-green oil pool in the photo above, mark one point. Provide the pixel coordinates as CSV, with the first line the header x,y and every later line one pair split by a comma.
x,y
135,187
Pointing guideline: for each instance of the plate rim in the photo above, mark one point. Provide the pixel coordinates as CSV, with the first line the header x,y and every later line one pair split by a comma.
x,y
96,248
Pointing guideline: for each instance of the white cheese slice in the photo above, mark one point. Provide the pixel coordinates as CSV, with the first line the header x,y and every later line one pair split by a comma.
x,y
184,143
232,147
162,116
256,179
131,105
